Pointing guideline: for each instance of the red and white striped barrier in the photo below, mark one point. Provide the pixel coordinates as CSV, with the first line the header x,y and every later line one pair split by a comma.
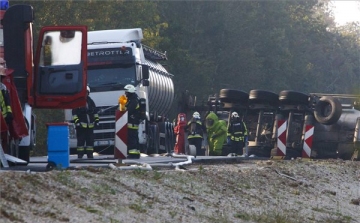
x,y
120,148
309,132
281,139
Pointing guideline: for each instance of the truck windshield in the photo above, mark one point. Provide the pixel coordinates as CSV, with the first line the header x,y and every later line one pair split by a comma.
x,y
110,77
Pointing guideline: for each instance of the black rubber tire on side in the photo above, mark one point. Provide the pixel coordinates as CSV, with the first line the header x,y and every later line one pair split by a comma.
x,y
293,97
24,154
264,96
50,166
231,96
328,110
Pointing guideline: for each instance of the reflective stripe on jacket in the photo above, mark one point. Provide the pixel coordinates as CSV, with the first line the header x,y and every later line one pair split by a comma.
x,y
4,101
87,116
195,129
132,107
237,130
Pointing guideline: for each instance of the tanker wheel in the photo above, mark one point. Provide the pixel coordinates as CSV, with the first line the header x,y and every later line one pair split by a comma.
x,y
328,110
50,166
231,96
262,96
293,97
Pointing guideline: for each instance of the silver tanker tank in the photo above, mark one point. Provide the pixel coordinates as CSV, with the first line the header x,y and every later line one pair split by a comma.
x,y
161,89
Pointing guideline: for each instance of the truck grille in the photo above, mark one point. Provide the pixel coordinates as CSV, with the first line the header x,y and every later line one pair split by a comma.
x,y
106,129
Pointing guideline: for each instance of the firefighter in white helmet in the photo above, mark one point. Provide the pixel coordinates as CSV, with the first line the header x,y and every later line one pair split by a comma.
x,y
86,119
132,106
195,130
236,134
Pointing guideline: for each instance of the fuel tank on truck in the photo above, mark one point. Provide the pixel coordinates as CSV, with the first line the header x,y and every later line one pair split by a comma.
x,y
160,89
335,139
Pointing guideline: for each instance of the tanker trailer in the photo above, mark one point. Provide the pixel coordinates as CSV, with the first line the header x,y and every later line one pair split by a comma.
x,y
316,125
117,58
336,130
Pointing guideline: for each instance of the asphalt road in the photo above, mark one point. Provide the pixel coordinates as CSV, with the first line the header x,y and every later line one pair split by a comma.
x,y
41,164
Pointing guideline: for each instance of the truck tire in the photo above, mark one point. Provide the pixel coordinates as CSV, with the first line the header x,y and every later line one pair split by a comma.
x,y
328,110
293,97
231,96
264,96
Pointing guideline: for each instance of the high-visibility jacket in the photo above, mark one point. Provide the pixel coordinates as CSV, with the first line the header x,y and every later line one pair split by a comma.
x,y
87,116
4,100
237,130
132,107
195,128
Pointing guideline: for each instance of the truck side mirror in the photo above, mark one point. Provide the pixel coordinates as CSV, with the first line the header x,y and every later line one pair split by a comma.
x,y
145,72
145,83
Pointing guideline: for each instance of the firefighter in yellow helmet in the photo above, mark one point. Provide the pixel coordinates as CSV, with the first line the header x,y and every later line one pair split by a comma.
x,y
132,106
85,119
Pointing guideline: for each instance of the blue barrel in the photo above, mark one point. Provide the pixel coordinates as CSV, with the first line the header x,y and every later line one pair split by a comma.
x,y
58,145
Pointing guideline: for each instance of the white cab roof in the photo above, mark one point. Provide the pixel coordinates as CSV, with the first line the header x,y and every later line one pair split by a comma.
x,y
115,35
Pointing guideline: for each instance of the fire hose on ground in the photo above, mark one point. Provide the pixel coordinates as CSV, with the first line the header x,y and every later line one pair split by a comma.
x,y
145,166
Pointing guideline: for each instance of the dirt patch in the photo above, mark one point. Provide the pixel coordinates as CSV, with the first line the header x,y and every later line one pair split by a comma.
x,y
262,191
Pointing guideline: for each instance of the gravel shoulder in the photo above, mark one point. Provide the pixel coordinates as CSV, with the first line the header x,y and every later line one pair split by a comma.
x,y
258,191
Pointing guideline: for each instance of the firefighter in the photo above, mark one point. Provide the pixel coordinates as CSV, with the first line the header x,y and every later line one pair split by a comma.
x,y
195,131
132,106
236,134
85,119
5,106
216,131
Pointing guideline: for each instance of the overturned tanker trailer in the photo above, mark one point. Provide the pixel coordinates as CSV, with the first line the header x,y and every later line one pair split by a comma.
x,y
294,124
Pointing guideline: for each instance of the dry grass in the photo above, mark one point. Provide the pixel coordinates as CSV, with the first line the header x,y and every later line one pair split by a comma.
x,y
266,192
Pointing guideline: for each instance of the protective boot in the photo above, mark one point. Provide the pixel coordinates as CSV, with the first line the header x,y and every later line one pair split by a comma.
x,y
89,152
90,155
80,152
80,155
133,154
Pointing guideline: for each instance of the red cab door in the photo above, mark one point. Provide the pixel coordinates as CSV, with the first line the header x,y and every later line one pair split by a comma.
x,y
59,79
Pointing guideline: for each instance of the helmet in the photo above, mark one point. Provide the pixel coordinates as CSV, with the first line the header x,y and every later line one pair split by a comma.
x,y
88,88
234,115
130,88
196,115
